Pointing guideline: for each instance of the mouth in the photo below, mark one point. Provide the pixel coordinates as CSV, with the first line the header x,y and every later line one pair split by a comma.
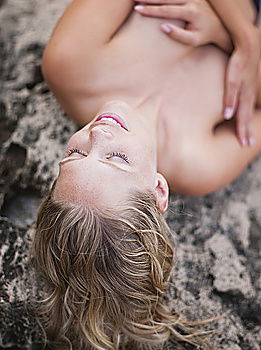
x,y
111,119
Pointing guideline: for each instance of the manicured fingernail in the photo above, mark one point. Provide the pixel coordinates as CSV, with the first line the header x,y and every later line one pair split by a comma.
x,y
138,7
228,114
166,28
251,141
244,141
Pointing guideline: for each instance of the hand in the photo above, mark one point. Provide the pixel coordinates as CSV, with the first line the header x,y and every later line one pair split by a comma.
x,y
241,86
203,25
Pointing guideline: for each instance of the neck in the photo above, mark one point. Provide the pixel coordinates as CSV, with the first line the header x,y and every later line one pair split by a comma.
x,y
149,108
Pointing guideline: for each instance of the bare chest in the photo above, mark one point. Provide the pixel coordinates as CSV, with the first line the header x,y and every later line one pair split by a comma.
x,y
142,62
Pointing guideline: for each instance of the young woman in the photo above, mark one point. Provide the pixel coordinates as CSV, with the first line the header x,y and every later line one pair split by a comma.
x,y
174,92
152,116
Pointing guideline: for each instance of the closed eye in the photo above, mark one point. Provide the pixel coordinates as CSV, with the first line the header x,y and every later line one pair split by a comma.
x,y
120,155
110,155
76,150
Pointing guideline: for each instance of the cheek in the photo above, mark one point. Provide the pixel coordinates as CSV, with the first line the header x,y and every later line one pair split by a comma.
x,y
147,151
142,151
146,161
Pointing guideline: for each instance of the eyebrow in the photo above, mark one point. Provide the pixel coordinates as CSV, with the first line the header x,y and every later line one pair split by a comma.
x,y
65,160
68,159
114,165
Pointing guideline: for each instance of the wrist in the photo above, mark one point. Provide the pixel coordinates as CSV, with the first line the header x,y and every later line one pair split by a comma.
x,y
247,38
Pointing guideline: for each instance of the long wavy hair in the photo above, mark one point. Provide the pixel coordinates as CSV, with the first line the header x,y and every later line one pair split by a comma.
x,y
106,274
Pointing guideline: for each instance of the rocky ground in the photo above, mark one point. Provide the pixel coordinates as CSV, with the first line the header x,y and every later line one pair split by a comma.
x,y
219,236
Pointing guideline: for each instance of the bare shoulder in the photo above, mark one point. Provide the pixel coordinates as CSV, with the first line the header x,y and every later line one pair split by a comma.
x,y
84,29
188,170
212,162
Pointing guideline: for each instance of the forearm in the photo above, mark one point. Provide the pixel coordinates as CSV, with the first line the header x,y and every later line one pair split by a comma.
x,y
245,15
245,11
258,94
238,18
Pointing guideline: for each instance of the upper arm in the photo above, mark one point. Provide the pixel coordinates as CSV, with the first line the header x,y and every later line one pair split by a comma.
x,y
228,157
81,32
91,21
216,162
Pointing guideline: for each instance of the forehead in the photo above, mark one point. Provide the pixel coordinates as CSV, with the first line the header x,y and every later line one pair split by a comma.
x,y
100,186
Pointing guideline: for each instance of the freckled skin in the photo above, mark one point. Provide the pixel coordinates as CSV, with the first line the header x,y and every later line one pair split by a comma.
x,y
100,177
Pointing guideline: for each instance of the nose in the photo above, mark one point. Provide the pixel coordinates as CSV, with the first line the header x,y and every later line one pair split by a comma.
x,y
100,132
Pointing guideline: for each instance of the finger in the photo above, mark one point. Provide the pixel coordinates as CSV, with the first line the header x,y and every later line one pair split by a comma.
x,y
165,11
250,132
241,132
249,112
241,125
174,2
232,88
244,119
182,35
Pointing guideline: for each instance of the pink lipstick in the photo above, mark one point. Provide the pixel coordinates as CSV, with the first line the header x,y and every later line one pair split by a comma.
x,y
115,117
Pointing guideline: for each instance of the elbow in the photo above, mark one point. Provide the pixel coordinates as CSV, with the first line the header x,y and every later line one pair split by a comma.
x,y
56,66
193,188
197,182
49,66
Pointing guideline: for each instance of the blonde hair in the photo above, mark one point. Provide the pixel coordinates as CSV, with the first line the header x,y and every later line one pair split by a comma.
x,y
107,273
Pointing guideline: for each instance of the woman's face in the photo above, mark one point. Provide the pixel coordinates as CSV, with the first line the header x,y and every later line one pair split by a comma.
x,y
106,162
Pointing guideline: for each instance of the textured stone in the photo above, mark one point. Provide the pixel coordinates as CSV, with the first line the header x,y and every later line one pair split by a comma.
x,y
235,219
218,236
228,271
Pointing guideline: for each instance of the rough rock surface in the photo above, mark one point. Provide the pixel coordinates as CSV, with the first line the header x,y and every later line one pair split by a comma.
x,y
219,236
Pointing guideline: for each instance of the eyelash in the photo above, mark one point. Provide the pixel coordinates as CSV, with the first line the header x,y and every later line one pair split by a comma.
x,y
76,150
121,155
113,154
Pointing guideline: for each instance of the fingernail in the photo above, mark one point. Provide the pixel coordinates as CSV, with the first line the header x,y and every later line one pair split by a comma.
x,y
251,141
138,7
166,28
244,141
228,114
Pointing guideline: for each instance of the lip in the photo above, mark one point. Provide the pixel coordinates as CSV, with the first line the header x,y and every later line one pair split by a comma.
x,y
114,116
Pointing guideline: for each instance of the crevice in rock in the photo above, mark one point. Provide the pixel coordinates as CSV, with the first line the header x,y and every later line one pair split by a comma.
x,y
248,310
12,161
11,334
2,2
37,77
32,55
7,126
21,207
255,236
244,344
7,57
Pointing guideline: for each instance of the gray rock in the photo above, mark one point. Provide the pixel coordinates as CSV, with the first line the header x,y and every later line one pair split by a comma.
x,y
218,236
228,271
235,219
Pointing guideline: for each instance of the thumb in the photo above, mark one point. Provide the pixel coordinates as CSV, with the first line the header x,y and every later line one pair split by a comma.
x,y
184,36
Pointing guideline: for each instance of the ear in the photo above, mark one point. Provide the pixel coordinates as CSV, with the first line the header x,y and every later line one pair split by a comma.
x,y
162,192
